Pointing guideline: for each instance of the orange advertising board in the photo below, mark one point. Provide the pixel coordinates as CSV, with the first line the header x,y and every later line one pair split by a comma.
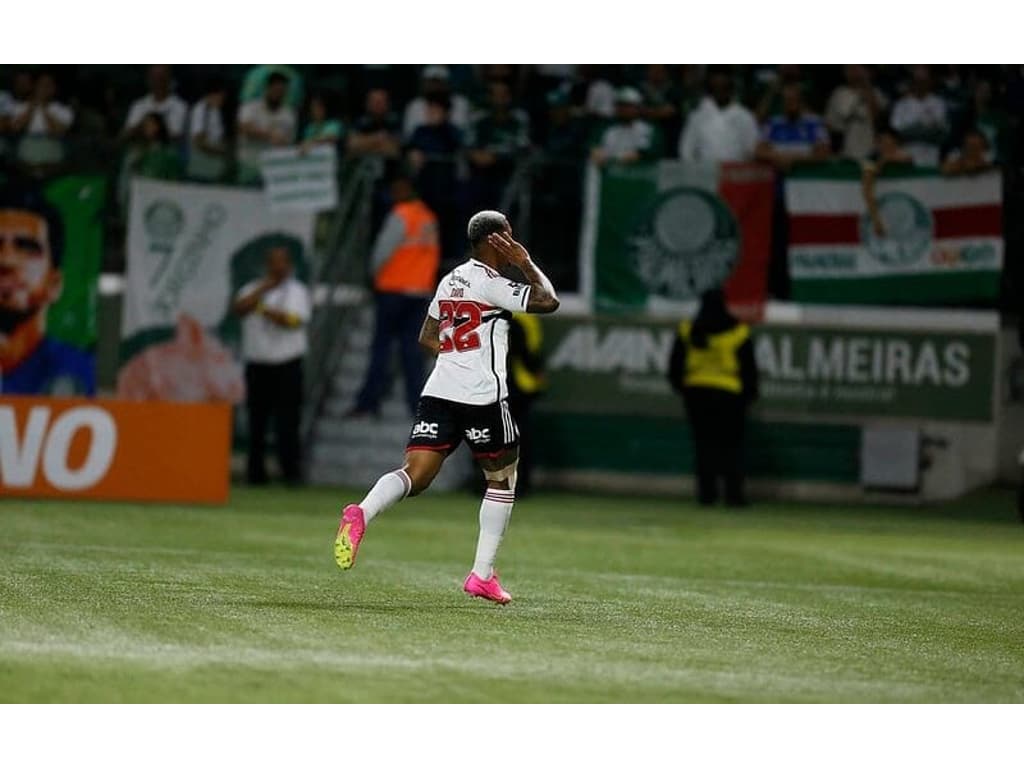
x,y
79,448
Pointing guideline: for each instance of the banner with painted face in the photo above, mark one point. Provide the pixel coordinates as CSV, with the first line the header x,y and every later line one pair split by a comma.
x,y
190,248
51,250
656,236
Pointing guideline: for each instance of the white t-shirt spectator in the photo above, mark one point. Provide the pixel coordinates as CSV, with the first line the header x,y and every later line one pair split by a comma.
x,y
37,123
258,115
416,114
172,109
601,99
206,122
916,118
848,114
621,139
716,134
264,341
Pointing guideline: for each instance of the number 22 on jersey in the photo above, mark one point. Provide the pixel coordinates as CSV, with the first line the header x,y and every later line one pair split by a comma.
x,y
462,318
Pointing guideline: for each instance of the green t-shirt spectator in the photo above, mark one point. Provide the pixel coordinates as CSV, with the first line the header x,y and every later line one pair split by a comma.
x,y
326,129
255,83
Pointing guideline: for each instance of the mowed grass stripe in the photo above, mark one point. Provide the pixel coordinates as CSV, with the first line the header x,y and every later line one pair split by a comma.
x,y
616,600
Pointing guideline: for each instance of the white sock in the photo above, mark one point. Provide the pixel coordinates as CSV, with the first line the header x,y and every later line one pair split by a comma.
x,y
495,511
390,489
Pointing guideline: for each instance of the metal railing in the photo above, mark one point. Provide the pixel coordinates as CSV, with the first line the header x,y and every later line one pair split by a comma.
x,y
338,279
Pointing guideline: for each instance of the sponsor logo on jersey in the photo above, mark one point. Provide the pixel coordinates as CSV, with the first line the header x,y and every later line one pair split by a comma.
x,y
425,429
517,288
458,293
475,435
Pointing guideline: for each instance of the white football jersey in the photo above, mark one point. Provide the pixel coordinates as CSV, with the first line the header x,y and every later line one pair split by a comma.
x,y
472,304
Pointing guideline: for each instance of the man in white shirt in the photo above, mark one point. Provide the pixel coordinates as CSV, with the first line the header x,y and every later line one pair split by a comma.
x,y
720,129
41,122
275,312
630,138
161,100
263,124
435,83
853,110
206,157
920,117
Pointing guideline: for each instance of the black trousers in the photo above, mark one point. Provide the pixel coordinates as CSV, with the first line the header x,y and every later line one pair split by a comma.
x,y
519,405
274,389
717,421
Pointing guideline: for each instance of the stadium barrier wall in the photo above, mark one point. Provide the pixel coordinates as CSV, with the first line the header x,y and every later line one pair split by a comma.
x,y
610,420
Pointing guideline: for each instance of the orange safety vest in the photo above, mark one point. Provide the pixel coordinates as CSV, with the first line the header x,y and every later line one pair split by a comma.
x,y
413,265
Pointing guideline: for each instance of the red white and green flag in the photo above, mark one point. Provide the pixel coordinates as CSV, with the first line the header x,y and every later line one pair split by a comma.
x,y
933,240
656,236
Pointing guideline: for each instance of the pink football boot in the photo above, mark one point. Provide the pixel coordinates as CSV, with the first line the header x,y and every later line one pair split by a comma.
x,y
350,533
488,590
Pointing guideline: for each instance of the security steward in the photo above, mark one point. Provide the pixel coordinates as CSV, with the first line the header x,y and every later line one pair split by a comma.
x,y
405,259
712,366
526,382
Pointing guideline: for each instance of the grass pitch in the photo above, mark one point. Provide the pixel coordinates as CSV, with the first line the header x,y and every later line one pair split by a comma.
x,y
615,600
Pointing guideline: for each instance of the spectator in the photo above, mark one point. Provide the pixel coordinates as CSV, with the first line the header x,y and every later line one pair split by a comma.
x,y
974,156
989,120
955,94
207,155
558,189
254,84
405,260
720,129
41,124
435,82
795,136
161,100
598,92
769,103
275,312
889,151
152,153
853,110
433,154
264,124
322,128
630,139
376,132
663,98
497,140
921,119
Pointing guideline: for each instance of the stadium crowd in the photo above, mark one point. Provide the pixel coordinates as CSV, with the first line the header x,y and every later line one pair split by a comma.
x,y
473,136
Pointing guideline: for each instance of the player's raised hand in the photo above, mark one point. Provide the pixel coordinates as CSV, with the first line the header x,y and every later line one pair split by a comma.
x,y
509,248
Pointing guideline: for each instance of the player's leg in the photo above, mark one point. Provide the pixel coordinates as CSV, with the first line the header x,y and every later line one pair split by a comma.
x,y
492,433
432,438
734,427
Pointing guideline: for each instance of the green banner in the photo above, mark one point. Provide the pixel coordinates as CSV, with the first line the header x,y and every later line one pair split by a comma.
x,y
80,200
667,232
620,364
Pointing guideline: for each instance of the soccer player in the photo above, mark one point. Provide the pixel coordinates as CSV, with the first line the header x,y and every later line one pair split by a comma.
x,y
465,397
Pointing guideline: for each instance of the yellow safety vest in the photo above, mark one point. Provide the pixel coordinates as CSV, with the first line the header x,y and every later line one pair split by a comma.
x,y
526,381
717,365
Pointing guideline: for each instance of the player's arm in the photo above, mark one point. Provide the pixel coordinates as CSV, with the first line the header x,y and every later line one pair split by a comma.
x,y
430,336
543,299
